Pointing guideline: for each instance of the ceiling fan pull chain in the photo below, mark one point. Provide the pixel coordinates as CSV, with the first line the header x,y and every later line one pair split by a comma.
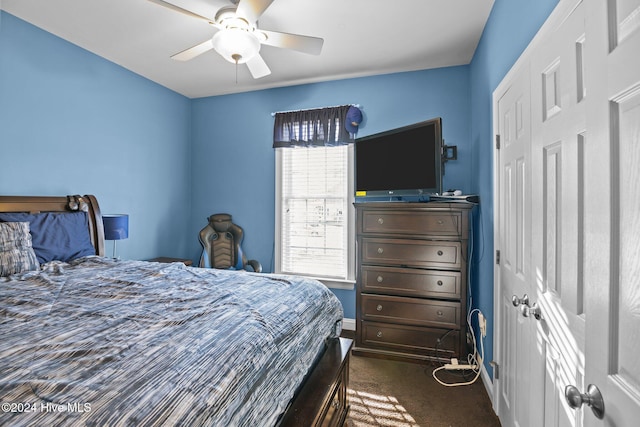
x,y
236,57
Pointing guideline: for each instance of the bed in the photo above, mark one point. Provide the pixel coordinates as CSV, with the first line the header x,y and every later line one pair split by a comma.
x,y
89,340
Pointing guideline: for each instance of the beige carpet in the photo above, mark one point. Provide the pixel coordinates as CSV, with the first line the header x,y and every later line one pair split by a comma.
x,y
392,393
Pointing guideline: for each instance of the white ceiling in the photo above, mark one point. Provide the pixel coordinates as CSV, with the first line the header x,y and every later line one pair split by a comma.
x,y
361,38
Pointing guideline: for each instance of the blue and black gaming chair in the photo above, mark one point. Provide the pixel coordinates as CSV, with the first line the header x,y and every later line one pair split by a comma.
x,y
221,242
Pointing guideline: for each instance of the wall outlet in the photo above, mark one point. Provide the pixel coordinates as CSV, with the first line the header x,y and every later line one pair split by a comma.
x,y
483,324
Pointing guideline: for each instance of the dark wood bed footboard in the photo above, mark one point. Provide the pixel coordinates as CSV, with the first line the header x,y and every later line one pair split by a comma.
x,y
322,401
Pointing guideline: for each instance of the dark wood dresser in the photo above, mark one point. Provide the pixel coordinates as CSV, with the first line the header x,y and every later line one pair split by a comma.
x,y
411,299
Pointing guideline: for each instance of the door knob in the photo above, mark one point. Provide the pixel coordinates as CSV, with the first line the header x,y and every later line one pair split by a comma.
x,y
593,399
534,311
526,309
520,301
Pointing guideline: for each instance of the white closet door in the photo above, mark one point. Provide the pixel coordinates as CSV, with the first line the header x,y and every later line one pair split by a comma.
x,y
612,209
515,386
557,157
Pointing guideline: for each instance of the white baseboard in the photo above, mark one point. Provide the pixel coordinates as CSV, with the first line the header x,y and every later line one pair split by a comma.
x,y
349,324
488,385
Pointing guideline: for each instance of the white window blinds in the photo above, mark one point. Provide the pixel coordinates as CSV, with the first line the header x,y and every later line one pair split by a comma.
x,y
314,205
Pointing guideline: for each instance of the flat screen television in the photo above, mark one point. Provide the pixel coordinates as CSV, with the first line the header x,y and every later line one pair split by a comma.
x,y
406,161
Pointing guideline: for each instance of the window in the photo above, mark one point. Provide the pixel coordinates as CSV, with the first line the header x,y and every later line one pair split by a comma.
x,y
314,213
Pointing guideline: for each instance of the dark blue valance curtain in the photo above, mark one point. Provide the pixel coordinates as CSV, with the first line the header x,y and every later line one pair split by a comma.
x,y
309,128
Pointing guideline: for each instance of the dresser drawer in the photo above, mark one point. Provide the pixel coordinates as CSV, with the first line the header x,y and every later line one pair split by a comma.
x,y
413,223
337,408
410,282
434,342
411,311
411,253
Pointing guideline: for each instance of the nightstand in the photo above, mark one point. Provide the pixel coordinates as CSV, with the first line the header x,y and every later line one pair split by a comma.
x,y
187,262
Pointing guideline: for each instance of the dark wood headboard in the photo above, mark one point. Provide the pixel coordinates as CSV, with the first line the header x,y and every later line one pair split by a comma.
x,y
34,204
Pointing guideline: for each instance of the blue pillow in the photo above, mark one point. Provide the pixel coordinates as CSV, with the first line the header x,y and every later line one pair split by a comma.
x,y
56,235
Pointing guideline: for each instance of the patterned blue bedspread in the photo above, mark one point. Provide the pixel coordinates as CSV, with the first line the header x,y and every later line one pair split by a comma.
x,y
99,342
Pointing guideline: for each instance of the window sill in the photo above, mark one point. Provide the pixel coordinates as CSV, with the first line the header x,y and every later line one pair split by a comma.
x,y
345,284
338,284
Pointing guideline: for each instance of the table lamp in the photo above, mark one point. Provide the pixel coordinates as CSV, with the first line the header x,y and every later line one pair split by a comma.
x,y
116,227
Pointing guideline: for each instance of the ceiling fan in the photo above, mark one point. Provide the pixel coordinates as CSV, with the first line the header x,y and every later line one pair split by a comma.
x,y
238,39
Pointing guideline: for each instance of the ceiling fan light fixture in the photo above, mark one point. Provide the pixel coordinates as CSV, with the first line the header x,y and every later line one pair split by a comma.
x,y
236,45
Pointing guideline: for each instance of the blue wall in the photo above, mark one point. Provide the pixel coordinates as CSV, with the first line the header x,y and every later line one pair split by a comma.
x,y
511,26
234,163
74,123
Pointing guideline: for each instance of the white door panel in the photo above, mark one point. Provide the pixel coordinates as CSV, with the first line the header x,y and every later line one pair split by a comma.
x,y
612,221
558,137
516,332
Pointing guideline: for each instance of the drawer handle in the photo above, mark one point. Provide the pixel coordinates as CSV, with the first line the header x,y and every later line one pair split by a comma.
x,y
440,222
380,250
439,283
380,221
440,313
379,279
379,334
440,253
379,307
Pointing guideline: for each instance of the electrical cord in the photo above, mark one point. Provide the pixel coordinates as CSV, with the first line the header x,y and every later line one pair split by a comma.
x,y
437,350
481,231
474,359
439,340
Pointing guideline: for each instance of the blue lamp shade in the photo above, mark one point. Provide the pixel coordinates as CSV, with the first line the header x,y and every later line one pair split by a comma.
x,y
116,227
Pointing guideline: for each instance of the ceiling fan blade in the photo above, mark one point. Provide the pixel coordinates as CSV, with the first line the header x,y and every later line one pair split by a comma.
x,y
183,11
252,9
257,67
194,51
305,44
